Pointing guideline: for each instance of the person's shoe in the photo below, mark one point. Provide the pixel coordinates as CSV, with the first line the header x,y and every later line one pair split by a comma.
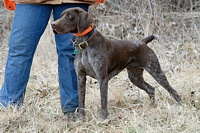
x,y
71,116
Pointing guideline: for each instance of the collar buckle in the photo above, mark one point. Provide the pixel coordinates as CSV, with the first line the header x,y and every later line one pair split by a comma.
x,y
81,45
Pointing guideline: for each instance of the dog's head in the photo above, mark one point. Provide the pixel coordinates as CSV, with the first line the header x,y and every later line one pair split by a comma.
x,y
72,20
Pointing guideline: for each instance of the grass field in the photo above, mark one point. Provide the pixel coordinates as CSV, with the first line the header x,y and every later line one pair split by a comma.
x,y
129,107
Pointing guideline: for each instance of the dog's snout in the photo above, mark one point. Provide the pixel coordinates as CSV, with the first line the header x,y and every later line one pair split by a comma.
x,y
53,25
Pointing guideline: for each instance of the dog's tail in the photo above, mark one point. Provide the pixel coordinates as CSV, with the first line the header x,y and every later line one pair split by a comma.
x,y
150,38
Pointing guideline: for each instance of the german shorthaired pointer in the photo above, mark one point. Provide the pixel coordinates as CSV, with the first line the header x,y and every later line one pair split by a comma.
x,y
102,58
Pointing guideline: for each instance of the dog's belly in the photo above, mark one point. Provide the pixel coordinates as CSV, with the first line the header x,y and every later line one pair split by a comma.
x,y
96,68
94,73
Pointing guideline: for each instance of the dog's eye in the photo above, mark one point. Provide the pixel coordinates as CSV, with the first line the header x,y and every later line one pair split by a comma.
x,y
68,16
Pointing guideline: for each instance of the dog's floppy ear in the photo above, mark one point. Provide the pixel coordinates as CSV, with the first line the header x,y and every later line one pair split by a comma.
x,y
84,20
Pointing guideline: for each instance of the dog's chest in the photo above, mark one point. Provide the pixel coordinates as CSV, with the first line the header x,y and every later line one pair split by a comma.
x,y
91,62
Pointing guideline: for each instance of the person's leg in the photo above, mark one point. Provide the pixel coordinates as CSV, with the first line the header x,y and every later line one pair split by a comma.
x,y
66,71
28,25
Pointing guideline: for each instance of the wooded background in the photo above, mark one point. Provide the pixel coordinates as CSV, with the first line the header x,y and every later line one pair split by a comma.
x,y
136,18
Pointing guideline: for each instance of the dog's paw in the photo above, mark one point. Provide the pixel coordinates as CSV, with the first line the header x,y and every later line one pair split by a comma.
x,y
104,122
156,36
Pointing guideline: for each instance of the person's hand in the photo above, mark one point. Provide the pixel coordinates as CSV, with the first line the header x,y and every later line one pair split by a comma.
x,y
9,4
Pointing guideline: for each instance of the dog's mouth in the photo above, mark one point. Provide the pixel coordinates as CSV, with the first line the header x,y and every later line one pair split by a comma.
x,y
61,31
58,29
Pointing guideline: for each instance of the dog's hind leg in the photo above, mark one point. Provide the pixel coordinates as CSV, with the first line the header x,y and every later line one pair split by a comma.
x,y
135,75
153,67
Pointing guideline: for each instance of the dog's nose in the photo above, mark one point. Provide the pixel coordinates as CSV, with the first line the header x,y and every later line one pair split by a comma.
x,y
53,25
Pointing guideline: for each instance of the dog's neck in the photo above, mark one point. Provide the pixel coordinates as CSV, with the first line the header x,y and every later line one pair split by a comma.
x,y
87,30
86,37
82,42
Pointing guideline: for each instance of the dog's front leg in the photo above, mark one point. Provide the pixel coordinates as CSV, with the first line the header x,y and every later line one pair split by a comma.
x,y
104,97
81,93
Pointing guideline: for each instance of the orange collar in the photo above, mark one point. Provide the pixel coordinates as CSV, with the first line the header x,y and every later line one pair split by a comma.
x,y
85,31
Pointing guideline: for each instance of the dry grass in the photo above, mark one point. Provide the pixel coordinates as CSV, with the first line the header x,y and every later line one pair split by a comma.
x,y
129,107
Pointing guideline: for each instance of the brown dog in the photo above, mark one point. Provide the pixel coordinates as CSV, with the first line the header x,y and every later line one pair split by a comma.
x,y
102,58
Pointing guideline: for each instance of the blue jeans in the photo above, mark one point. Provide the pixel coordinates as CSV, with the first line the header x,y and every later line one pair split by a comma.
x,y
28,26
